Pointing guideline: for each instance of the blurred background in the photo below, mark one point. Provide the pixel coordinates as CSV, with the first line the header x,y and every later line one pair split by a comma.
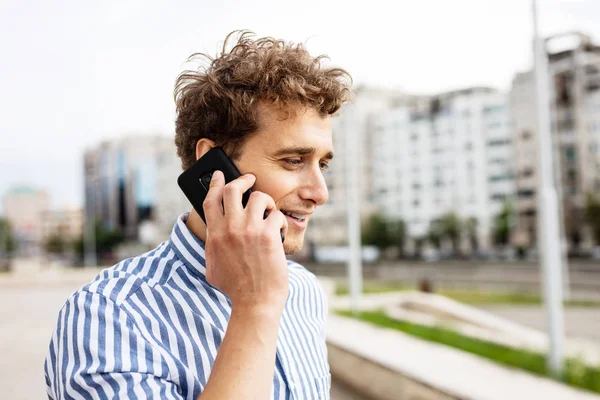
x,y
443,140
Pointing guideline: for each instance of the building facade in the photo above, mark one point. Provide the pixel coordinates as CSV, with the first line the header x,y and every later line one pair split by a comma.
x,y
447,153
65,223
574,69
122,183
24,207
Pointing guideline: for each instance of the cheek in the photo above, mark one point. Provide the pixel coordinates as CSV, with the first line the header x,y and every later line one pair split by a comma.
x,y
278,185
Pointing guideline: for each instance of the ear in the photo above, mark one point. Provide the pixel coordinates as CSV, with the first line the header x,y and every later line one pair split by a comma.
x,y
203,146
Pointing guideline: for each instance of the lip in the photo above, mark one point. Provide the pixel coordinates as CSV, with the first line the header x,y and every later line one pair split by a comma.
x,y
300,225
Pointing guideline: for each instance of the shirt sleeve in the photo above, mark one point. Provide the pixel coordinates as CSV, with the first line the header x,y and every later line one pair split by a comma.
x,y
97,352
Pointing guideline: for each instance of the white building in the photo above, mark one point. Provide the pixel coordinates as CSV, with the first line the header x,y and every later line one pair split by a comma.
x,y
445,153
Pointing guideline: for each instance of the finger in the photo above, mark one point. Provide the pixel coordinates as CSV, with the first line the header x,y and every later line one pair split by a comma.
x,y
277,221
233,192
213,209
257,204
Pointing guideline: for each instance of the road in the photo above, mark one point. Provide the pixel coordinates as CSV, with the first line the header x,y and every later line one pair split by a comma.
x,y
583,323
28,314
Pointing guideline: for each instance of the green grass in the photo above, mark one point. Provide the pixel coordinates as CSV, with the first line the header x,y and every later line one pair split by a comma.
x,y
467,296
575,372
373,287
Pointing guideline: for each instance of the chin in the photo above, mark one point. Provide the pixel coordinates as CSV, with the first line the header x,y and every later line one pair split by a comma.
x,y
293,244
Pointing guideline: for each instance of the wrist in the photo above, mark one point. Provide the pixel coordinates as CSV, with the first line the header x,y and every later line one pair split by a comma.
x,y
260,313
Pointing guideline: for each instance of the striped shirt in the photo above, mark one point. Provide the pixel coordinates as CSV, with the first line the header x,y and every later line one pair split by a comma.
x,y
151,326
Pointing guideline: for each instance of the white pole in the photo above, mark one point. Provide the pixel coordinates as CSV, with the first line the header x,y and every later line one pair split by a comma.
x,y
352,158
549,242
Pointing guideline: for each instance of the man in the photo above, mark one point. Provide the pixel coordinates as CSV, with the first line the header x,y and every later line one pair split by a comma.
x,y
216,311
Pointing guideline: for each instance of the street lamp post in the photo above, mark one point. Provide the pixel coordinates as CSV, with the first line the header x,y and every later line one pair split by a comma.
x,y
549,242
352,153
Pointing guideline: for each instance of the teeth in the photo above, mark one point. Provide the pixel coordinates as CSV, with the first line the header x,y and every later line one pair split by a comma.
x,y
299,217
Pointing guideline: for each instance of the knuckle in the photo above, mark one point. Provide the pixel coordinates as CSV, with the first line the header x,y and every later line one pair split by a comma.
x,y
230,188
265,236
256,196
208,202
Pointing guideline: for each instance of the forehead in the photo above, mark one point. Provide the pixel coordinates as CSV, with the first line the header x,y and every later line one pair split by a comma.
x,y
298,126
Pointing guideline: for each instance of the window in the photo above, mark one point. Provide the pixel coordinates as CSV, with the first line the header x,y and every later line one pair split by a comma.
x,y
527,172
573,190
526,193
570,154
528,213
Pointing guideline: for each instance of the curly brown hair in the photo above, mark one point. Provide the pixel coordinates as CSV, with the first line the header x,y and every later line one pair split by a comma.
x,y
219,102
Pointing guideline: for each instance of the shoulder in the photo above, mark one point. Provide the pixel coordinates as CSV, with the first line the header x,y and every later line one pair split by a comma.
x,y
119,282
305,279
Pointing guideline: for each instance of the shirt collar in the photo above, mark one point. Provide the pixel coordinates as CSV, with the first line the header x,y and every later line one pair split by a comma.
x,y
188,247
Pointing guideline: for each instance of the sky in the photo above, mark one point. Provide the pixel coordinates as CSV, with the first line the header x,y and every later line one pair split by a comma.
x,y
74,73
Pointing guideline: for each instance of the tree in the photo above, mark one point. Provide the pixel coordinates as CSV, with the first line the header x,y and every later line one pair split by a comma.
x,y
434,234
397,232
106,241
471,227
450,227
7,241
592,214
376,232
55,244
502,225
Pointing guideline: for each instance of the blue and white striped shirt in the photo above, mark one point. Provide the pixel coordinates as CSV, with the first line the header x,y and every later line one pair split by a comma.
x,y
151,326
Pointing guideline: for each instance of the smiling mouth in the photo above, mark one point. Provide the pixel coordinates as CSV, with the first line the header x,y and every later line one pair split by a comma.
x,y
298,217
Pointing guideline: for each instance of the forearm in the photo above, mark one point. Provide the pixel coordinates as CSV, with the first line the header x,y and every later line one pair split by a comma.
x,y
245,361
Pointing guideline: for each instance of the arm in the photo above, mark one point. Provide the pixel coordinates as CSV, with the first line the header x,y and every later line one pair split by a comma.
x,y
245,362
246,260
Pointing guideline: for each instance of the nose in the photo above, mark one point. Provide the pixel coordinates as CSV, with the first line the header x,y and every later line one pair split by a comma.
x,y
314,187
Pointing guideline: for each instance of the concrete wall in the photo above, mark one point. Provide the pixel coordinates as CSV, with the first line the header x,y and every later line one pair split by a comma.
x,y
378,382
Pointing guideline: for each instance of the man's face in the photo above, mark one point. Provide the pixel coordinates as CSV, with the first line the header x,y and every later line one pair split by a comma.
x,y
288,157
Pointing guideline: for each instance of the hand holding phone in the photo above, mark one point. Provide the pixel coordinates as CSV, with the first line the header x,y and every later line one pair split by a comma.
x,y
244,256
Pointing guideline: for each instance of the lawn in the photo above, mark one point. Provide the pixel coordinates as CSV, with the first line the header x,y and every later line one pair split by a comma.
x,y
575,373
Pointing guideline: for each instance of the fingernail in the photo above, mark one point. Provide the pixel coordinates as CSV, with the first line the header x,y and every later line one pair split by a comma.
x,y
215,175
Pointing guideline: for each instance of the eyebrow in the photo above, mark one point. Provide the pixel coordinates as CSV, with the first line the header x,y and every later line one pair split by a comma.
x,y
301,151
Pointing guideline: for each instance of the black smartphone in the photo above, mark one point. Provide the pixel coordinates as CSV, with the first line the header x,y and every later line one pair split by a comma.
x,y
195,181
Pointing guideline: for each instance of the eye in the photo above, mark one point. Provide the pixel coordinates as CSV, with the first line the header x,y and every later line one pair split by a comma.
x,y
324,165
293,161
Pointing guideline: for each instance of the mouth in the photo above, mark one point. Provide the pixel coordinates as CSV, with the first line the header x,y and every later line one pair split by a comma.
x,y
297,216
298,220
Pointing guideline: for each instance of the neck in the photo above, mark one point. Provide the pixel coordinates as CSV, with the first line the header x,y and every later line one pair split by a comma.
x,y
196,225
